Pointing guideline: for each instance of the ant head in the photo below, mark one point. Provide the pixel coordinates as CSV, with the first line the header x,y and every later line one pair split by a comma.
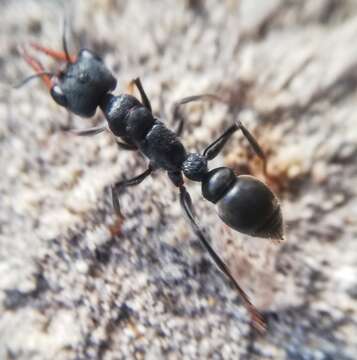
x,y
80,85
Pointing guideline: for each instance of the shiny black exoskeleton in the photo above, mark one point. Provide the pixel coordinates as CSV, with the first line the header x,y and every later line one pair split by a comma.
x,y
244,203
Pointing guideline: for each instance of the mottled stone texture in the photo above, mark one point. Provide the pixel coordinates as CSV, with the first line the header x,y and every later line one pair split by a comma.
x,y
70,290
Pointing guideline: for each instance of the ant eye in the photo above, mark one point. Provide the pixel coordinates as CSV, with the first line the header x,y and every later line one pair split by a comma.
x,y
83,77
58,96
90,55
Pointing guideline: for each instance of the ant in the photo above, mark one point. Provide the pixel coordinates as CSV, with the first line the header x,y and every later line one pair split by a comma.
x,y
244,203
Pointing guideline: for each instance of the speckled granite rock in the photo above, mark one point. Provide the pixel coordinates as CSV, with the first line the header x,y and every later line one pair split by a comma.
x,y
69,290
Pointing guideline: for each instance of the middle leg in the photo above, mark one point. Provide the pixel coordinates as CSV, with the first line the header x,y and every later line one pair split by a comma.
x,y
120,186
117,189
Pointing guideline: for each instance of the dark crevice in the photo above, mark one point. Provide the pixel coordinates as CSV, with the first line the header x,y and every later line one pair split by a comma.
x,y
15,299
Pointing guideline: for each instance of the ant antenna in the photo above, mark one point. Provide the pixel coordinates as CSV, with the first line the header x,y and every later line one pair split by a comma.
x,y
31,77
64,41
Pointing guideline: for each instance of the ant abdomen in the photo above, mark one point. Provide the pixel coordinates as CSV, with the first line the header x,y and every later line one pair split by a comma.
x,y
244,203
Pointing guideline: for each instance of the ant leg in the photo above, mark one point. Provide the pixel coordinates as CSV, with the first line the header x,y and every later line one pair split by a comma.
x,y
144,98
186,203
253,143
214,149
97,130
177,115
117,189
126,146
120,186
89,131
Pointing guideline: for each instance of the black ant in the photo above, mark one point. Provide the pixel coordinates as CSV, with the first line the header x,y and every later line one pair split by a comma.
x,y
244,203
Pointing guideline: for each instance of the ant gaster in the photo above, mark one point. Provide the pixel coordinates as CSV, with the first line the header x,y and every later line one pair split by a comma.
x,y
244,203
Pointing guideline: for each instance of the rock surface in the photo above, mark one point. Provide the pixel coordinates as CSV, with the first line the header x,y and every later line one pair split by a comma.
x,y
70,290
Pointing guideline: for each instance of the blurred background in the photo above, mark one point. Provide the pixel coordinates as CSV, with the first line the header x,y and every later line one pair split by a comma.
x,y
69,289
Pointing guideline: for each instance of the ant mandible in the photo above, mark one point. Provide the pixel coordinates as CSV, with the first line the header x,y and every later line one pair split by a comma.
x,y
244,203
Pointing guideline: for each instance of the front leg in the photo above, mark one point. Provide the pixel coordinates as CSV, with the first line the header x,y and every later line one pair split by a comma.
x,y
145,100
